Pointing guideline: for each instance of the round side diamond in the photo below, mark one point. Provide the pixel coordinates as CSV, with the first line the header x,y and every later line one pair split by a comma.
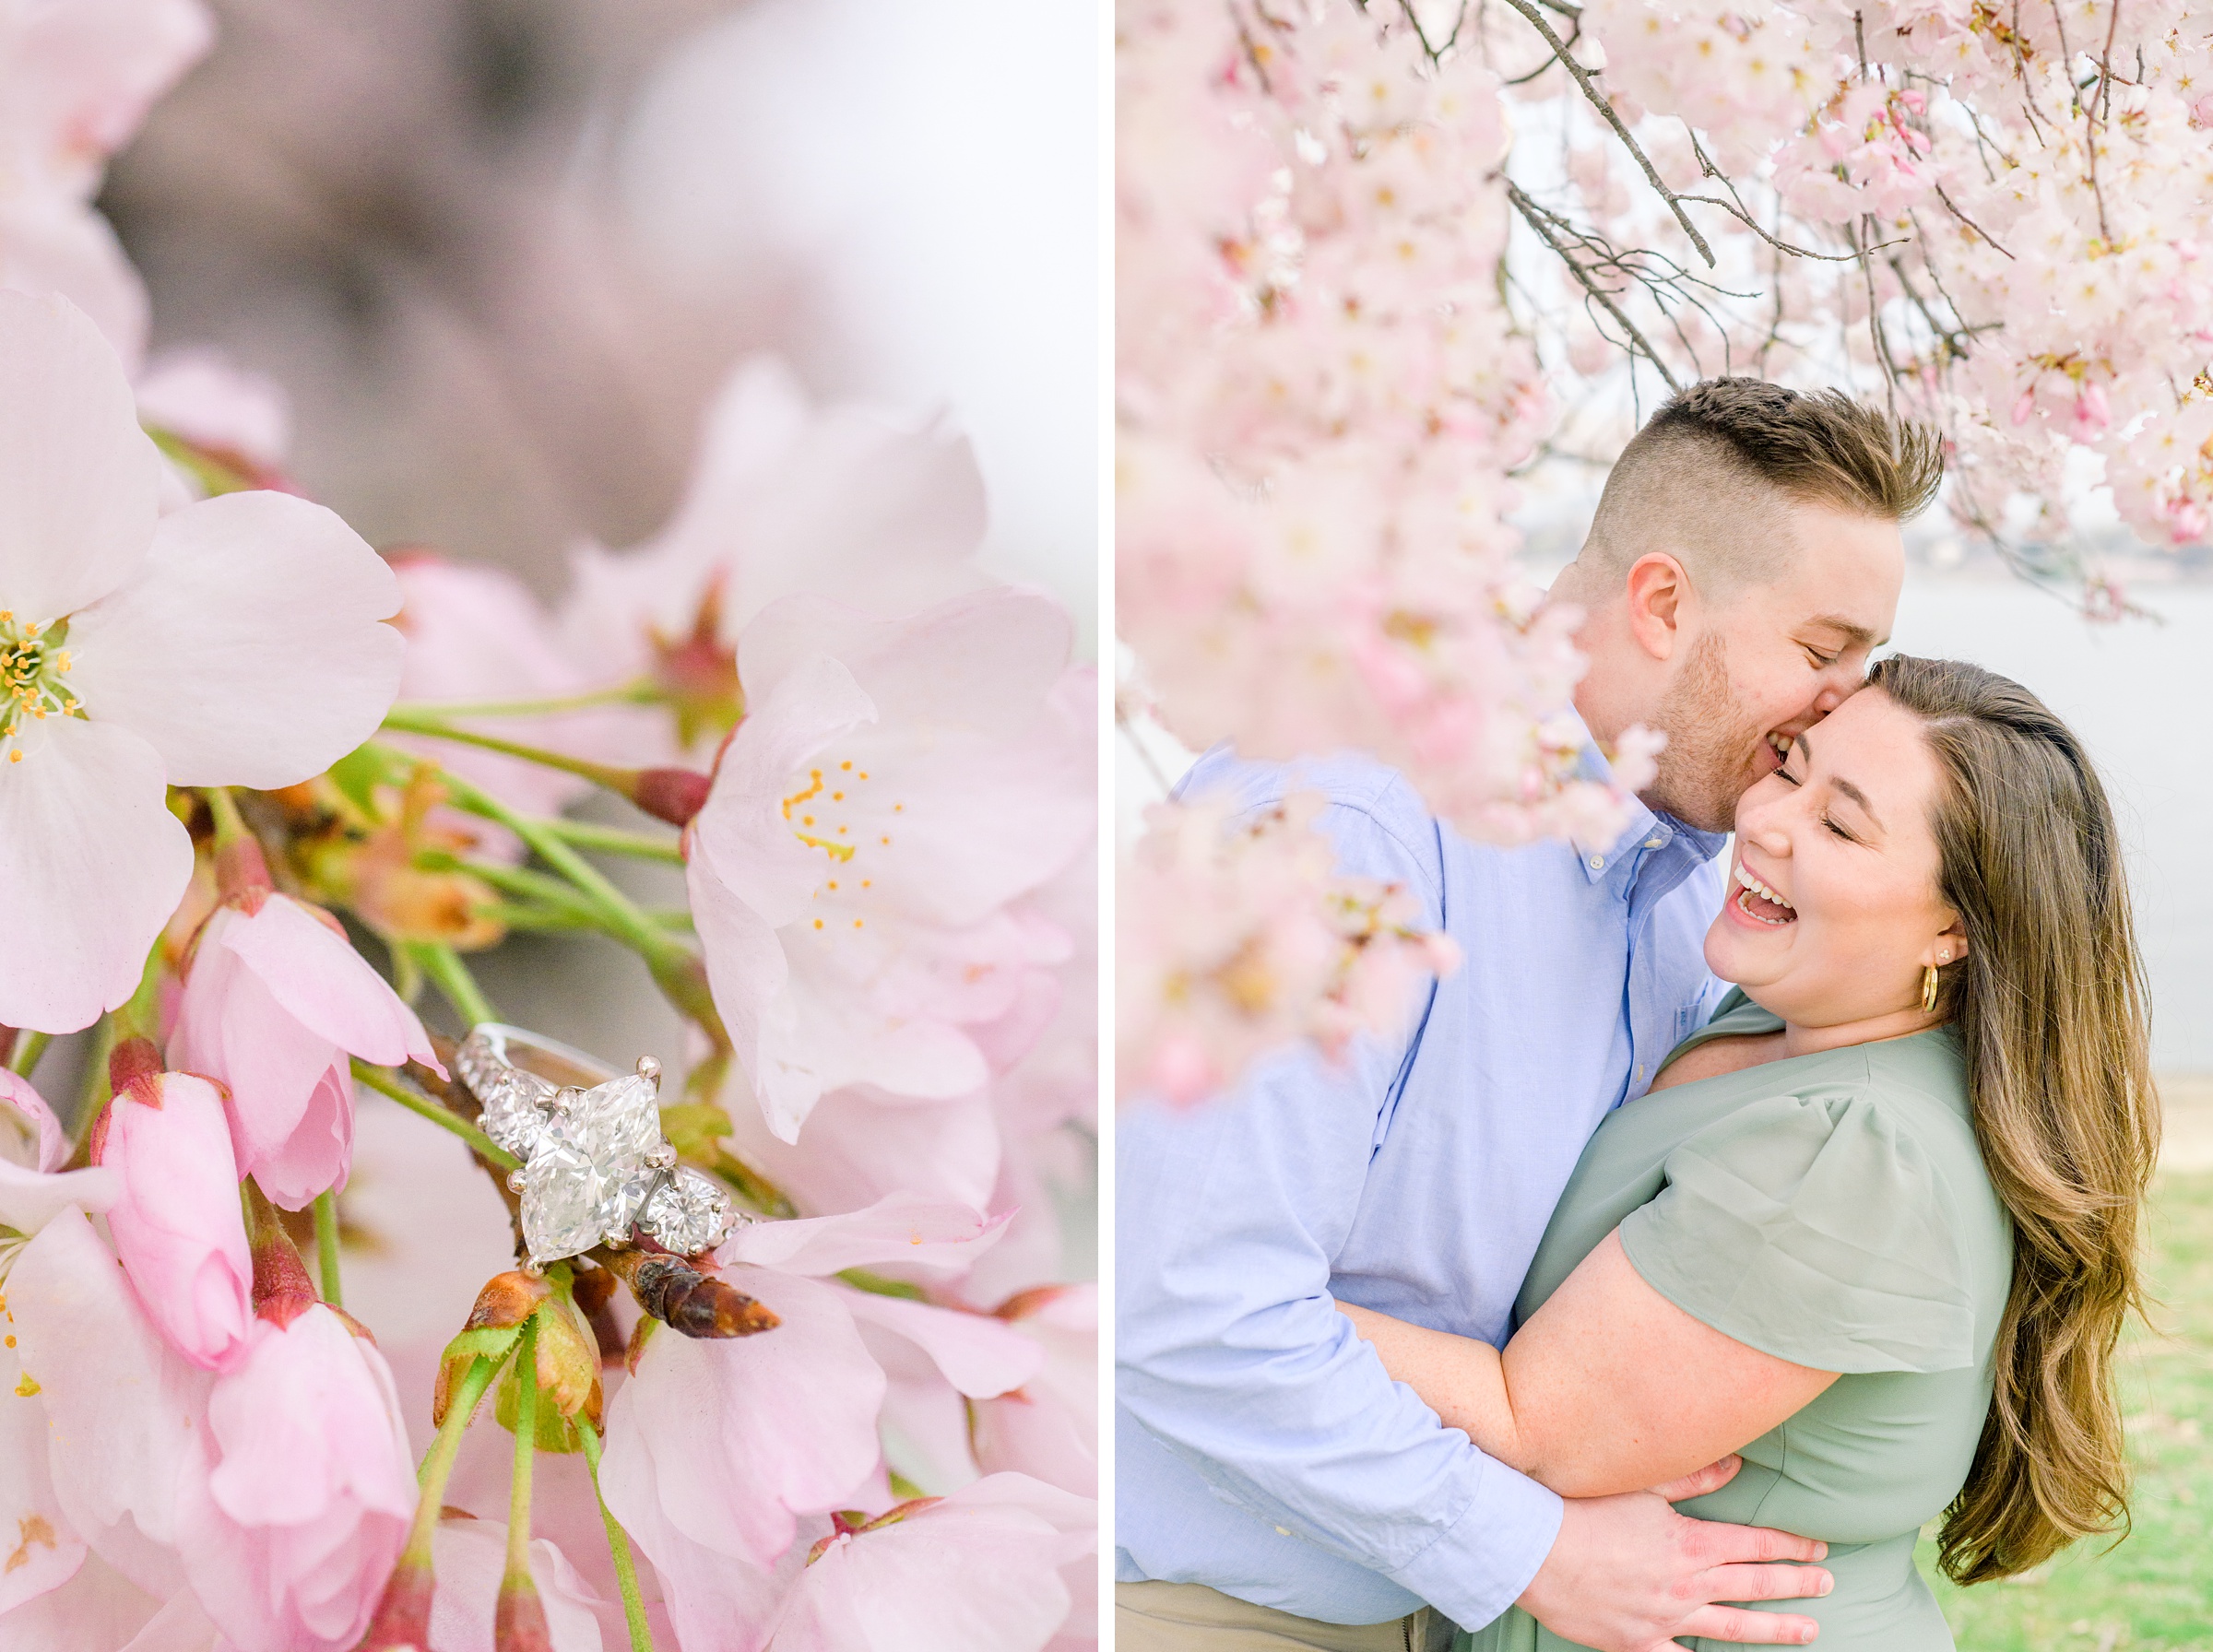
x,y
689,1212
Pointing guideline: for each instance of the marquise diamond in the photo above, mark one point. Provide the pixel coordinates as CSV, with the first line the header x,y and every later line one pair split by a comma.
x,y
596,1142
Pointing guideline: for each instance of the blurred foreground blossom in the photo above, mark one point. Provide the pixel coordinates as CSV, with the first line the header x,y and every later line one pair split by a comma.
x,y
1236,935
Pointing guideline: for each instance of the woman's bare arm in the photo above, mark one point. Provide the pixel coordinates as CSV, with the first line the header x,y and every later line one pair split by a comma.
x,y
1610,1387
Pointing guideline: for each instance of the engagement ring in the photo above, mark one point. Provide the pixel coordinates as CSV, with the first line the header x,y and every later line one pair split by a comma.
x,y
596,1165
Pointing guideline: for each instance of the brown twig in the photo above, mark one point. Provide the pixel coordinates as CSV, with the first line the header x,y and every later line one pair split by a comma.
x,y
1606,108
1969,222
1534,217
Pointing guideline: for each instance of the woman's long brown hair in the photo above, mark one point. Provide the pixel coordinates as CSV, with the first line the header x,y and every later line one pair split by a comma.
x,y
2050,1007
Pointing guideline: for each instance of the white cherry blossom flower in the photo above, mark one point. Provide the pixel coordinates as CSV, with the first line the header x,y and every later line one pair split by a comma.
x,y
894,787
234,642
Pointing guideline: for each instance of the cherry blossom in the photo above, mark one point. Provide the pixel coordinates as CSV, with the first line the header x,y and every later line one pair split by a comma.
x,y
291,1533
276,1001
866,504
235,642
177,1225
893,785
978,1571
1239,938
79,80
717,1451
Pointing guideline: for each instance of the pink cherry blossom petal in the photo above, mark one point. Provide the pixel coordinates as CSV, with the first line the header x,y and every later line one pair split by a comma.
x,y
83,1340
250,650
470,1556
327,986
746,1435
178,1227
77,477
92,864
901,1227
292,1533
977,1355
979,1571
53,244
49,1144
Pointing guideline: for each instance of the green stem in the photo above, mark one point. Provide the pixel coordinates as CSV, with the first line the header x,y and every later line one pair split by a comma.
x,y
386,1082
628,924
438,1462
519,882
618,1543
444,966
403,719
326,1246
641,691
551,919
615,840
93,1093
140,1016
230,825
526,1451
30,1046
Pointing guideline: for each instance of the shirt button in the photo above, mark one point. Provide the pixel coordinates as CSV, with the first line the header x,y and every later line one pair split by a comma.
x,y
1284,1531
1651,843
1640,1070
1598,863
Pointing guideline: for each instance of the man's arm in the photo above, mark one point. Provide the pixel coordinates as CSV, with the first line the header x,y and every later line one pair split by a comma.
x,y
1231,1352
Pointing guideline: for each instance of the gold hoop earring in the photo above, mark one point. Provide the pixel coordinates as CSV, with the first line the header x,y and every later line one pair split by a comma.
x,y
1928,988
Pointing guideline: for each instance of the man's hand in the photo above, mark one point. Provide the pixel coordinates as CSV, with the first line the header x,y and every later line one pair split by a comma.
x,y
1627,1574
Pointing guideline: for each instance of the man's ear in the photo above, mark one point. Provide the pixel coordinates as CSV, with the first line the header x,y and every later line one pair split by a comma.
x,y
1658,591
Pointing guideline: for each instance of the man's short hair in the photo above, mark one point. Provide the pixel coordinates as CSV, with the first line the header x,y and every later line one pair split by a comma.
x,y
1704,479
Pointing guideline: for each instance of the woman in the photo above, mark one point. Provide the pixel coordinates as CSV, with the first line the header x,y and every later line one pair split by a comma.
x,y
1875,1226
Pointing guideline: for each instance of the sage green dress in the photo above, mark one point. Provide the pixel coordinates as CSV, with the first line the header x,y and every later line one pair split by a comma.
x,y
1831,1210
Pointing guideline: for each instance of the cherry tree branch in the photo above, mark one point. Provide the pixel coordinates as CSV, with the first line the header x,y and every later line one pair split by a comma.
x,y
1599,101
1535,217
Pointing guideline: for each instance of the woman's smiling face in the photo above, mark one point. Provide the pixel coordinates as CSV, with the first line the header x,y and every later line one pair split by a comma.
x,y
1832,910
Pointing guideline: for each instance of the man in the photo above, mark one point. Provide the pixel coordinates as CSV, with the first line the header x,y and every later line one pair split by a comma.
x,y
1276,1490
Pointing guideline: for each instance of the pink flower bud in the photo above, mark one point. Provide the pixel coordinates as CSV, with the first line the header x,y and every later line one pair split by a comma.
x,y
672,795
177,1226
309,1495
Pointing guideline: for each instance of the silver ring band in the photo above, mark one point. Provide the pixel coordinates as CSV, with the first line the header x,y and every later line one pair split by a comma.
x,y
596,1168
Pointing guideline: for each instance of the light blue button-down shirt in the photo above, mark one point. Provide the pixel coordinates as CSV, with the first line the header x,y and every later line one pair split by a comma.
x,y
1261,1447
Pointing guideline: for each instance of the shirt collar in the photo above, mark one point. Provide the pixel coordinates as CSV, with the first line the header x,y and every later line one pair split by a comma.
x,y
1645,827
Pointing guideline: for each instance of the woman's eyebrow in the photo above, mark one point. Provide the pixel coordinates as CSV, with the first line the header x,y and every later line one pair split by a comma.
x,y
1858,797
1850,790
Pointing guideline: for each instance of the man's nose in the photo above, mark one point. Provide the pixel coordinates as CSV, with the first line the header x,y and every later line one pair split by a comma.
x,y
1839,683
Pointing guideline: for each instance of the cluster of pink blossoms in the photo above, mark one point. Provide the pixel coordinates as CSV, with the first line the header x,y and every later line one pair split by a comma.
x,y
1378,261
241,755
1321,396
2006,215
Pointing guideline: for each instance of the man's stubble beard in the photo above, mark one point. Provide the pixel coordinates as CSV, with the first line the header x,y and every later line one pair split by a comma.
x,y
1704,767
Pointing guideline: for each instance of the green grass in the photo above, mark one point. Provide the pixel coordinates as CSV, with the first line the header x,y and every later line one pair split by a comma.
x,y
2154,1591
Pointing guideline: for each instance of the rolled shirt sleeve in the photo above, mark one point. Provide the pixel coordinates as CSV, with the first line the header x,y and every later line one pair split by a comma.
x,y
1230,1352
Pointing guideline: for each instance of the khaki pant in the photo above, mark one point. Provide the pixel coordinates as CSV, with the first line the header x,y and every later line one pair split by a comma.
x,y
1189,1617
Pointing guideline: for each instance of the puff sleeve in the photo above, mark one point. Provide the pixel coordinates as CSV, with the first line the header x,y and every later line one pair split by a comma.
x,y
1814,1230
